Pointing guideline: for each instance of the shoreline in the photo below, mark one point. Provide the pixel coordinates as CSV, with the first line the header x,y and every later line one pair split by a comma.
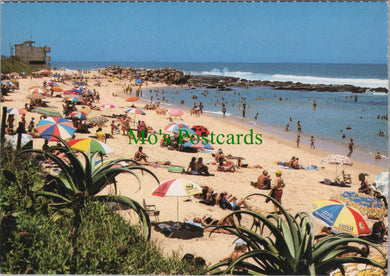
x,y
321,143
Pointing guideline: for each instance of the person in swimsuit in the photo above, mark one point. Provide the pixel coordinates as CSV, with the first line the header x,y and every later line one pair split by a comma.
x,y
278,190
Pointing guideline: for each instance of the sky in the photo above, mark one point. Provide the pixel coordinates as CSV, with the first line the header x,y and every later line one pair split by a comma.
x,y
201,32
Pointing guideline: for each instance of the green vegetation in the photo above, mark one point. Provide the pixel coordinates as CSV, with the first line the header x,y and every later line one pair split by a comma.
x,y
9,66
286,246
57,224
38,234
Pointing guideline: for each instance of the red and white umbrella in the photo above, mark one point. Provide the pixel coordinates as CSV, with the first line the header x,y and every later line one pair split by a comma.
x,y
337,159
108,105
38,90
175,112
177,187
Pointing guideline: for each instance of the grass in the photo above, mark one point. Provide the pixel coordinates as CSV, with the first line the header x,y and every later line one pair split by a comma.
x,y
9,66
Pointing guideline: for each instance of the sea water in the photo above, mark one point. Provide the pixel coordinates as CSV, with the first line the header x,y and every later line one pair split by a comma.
x,y
335,116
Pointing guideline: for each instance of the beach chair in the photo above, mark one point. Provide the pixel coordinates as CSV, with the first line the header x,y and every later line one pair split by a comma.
x,y
346,177
151,210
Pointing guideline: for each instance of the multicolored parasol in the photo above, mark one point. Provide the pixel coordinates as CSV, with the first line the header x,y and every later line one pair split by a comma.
x,y
341,217
56,126
90,145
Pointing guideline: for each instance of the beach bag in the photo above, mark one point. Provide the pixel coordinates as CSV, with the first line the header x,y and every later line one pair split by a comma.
x,y
175,169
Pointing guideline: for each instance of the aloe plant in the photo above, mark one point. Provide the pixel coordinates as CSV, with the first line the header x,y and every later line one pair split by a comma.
x,y
286,245
79,181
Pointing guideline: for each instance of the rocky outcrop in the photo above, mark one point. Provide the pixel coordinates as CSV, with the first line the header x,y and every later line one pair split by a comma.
x,y
166,75
221,83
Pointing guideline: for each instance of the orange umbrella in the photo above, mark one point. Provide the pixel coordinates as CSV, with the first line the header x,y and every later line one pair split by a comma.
x,y
57,89
132,99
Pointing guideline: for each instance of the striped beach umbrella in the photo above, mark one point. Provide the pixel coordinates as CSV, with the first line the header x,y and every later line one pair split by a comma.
x,y
108,105
58,126
175,127
135,111
75,99
79,115
177,187
90,145
341,217
38,90
16,111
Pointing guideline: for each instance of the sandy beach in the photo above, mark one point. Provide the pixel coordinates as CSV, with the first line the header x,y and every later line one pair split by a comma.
x,y
302,186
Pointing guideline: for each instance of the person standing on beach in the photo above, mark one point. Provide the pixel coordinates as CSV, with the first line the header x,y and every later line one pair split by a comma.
x,y
243,109
312,142
351,147
277,190
100,135
298,140
201,108
223,110
299,127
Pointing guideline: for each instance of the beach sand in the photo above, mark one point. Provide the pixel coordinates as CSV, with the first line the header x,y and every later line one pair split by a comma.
x,y
302,186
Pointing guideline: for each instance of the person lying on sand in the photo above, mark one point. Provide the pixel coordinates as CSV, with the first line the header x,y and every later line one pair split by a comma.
x,y
240,165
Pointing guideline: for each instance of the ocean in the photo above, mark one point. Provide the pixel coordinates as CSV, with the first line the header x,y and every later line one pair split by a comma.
x,y
335,115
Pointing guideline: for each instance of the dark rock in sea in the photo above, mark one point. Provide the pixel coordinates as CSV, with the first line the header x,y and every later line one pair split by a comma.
x,y
222,83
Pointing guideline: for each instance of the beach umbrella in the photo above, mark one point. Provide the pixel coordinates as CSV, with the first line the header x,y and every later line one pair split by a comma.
x,y
79,83
48,111
57,89
200,130
135,111
38,90
337,159
75,99
341,217
108,105
90,145
32,87
13,140
52,83
79,115
84,109
175,112
71,92
16,111
367,205
177,187
382,183
57,126
87,92
132,99
175,127
201,144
